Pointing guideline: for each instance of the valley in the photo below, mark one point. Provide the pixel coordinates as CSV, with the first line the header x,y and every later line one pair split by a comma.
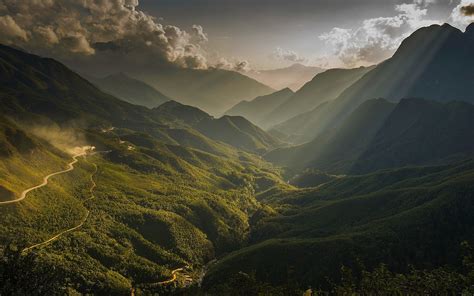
x,y
135,160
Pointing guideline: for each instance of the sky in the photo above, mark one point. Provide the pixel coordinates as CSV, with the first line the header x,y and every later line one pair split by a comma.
x,y
277,33
241,35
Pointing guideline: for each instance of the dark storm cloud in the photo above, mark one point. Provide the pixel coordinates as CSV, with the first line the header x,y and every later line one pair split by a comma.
x,y
468,10
76,28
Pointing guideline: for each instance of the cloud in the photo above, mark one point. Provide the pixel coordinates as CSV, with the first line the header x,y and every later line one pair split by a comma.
x,y
237,65
377,38
199,35
11,31
463,14
423,3
287,55
468,10
243,66
72,28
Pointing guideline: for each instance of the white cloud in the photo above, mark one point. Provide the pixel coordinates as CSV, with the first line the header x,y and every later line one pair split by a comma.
x,y
11,31
287,55
84,27
377,38
462,15
235,65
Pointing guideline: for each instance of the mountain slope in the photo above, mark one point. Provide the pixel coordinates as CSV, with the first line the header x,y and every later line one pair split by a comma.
x,y
260,107
420,132
130,90
379,135
293,77
324,87
338,149
156,195
212,90
44,87
411,217
433,63
233,130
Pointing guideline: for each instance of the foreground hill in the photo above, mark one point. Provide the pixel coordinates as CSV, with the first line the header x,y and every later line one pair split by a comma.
x,y
433,63
212,90
380,134
157,195
405,217
293,77
260,107
130,90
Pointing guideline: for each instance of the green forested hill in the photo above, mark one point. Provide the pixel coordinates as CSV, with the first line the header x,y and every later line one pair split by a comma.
x,y
169,196
159,195
234,130
402,217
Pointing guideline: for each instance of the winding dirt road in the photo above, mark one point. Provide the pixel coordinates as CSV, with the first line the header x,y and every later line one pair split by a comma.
x,y
57,236
24,194
174,277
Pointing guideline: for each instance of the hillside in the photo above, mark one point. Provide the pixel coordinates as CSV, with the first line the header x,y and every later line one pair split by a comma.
x,y
33,86
324,87
130,90
420,132
433,63
292,77
233,130
412,216
157,194
212,90
380,135
99,196
337,150
258,108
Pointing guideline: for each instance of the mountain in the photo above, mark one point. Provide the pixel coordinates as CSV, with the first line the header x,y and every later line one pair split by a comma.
x,y
324,87
234,130
33,86
407,218
58,93
130,90
212,90
420,132
293,77
381,135
433,63
260,107
156,195
336,150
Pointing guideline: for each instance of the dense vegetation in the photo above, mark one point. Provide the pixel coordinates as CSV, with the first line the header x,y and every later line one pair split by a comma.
x,y
413,216
166,196
171,198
